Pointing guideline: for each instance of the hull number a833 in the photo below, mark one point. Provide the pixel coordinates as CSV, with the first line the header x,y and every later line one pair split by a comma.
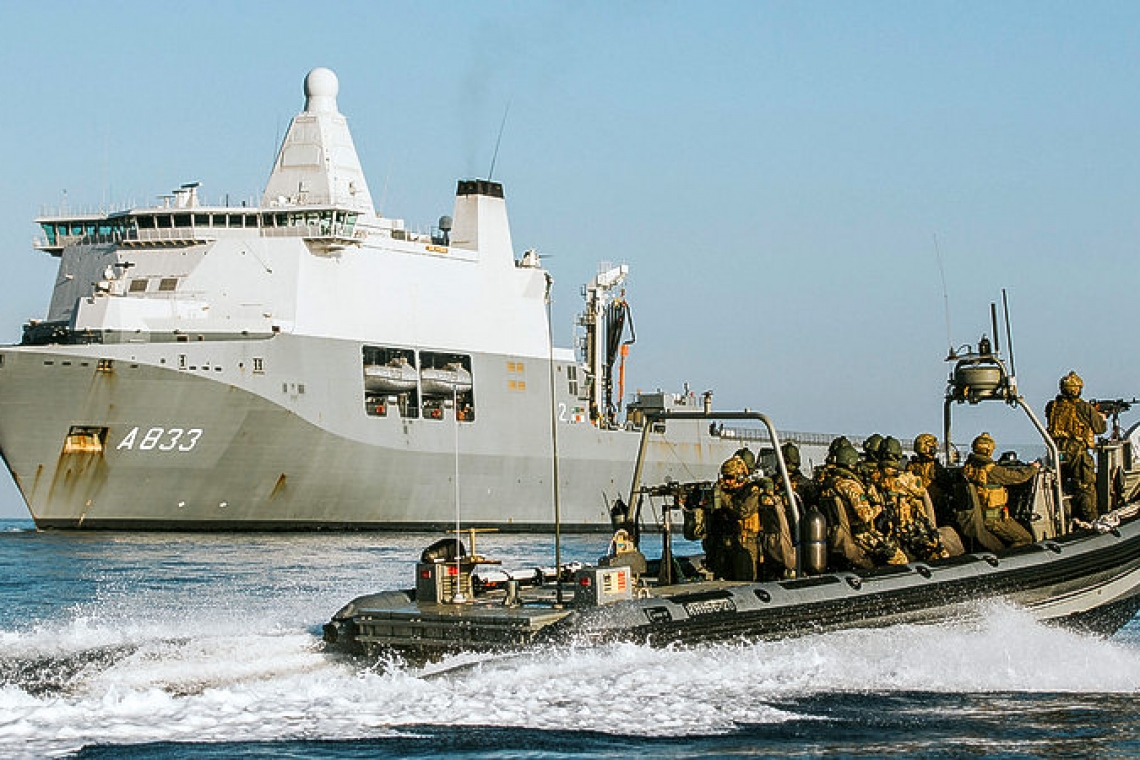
x,y
160,439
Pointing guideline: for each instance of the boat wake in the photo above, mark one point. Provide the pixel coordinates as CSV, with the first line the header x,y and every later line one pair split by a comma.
x,y
88,684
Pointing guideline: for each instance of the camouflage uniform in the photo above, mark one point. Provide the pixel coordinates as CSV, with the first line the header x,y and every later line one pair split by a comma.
x,y
861,512
735,526
909,525
989,481
1074,424
934,477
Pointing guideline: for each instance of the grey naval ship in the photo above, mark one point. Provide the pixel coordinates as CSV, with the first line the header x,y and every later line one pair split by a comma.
x,y
309,363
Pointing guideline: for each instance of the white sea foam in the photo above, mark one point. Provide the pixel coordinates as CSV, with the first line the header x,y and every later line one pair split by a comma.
x,y
221,684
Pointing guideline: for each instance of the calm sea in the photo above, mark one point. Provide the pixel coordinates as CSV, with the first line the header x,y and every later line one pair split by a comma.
x,y
187,645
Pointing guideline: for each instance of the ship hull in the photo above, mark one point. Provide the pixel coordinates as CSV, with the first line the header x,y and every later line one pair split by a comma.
x,y
188,436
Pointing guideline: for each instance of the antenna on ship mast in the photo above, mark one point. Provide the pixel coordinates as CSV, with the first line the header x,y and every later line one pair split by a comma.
x,y
498,141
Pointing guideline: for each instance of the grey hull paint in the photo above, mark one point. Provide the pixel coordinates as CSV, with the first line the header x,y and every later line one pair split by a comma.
x,y
291,447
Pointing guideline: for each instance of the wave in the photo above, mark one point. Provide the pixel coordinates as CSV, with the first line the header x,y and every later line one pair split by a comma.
x,y
87,682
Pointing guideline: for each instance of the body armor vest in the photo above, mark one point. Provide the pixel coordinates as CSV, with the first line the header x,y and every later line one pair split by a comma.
x,y
989,496
1067,422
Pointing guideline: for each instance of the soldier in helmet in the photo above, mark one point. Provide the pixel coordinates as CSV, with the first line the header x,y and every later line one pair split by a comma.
x,y
804,487
905,502
745,455
1074,424
989,481
858,512
733,548
935,479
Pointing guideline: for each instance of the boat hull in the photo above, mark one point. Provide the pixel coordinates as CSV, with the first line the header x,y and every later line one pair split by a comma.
x,y
1089,582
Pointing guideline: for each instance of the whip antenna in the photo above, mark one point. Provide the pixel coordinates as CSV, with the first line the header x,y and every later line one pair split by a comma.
x,y
945,294
499,140
1008,332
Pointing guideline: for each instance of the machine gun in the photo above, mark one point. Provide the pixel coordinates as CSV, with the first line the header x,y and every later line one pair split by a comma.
x,y
1113,408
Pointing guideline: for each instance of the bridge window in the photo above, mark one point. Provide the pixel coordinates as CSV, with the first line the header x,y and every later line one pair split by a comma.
x,y
138,286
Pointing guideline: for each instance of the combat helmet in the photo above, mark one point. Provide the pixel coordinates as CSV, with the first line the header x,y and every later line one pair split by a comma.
x,y
745,455
891,449
983,445
925,444
1071,384
846,457
871,445
791,454
734,468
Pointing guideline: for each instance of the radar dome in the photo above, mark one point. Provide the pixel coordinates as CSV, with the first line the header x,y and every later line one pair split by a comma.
x,y
321,88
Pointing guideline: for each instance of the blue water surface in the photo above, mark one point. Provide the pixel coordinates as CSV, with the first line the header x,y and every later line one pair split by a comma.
x,y
208,645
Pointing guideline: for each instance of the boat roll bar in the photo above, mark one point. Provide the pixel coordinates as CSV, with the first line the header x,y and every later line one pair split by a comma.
x,y
653,416
983,375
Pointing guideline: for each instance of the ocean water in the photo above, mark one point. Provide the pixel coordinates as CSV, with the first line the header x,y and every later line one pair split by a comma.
x,y
186,645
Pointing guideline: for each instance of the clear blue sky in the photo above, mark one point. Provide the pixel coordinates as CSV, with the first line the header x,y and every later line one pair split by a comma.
x,y
775,174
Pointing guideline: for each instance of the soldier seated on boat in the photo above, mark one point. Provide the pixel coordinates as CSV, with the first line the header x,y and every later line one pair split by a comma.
x,y
805,488
905,504
989,482
936,479
777,550
856,539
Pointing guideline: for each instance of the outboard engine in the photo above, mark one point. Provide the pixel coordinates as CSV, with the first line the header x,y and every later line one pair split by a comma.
x,y
814,542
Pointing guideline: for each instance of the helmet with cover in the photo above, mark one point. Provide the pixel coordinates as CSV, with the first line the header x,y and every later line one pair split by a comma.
x,y
983,445
734,470
925,444
745,455
1071,385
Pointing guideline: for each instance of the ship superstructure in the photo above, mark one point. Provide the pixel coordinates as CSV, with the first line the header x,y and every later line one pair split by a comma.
x,y
309,363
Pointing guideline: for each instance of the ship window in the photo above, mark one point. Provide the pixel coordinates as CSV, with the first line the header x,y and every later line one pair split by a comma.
x,y
391,380
235,220
182,220
258,365
167,284
138,286
182,361
572,379
164,221
201,220
146,222
446,383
